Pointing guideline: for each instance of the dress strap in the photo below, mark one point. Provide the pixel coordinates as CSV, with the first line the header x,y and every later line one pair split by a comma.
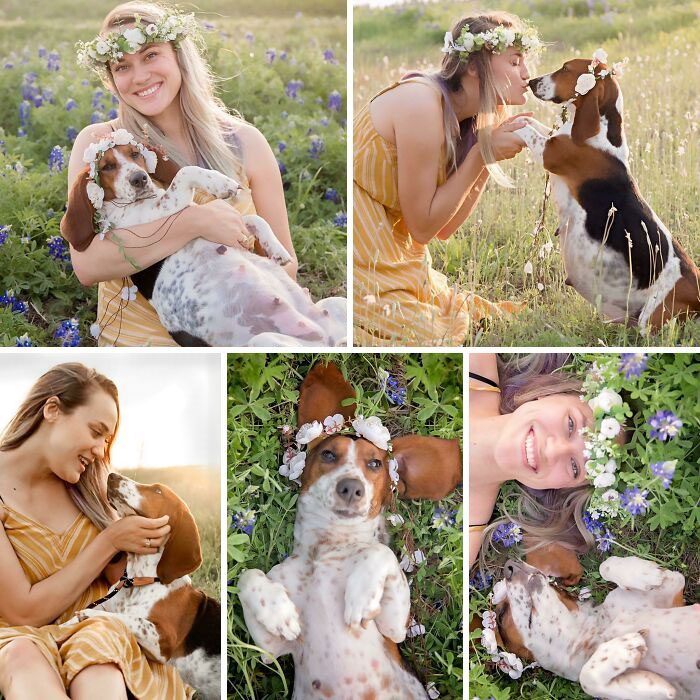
x,y
492,386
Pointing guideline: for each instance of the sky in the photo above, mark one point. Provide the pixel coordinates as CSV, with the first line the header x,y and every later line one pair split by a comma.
x,y
170,402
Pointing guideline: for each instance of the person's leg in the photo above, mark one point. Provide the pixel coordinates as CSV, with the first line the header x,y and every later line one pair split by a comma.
x,y
104,681
25,673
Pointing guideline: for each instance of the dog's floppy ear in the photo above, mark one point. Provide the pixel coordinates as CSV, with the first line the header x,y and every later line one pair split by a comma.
x,y
182,553
555,560
321,394
587,118
165,169
77,225
429,467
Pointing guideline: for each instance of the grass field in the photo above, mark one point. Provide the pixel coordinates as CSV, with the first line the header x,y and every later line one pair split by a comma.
x,y
282,68
662,113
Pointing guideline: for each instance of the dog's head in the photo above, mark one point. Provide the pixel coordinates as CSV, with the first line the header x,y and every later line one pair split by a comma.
x,y
602,100
182,553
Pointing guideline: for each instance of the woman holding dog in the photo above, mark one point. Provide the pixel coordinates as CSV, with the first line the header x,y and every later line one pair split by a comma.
x,y
57,540
417,176
166,89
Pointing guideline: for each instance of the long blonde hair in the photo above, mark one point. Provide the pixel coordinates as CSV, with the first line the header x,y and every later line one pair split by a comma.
x,y
492,109
209,125
72,383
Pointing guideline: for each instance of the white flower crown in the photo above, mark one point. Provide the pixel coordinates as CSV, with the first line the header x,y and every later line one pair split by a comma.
x,y
495,40
586,82
371,429
174,26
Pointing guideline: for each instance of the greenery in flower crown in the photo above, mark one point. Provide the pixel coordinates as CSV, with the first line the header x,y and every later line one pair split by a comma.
x,y
495,40
97,53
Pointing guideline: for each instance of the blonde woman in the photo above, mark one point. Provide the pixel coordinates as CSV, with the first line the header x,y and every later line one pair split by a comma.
x,y
57,539
417,176
166,90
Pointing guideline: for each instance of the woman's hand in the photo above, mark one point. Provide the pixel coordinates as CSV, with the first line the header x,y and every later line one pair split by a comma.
x,y
506,144
137,534
221,223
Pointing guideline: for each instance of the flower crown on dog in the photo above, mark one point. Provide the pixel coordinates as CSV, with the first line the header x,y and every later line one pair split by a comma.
x,y
174,26
371,429
495,40
586,82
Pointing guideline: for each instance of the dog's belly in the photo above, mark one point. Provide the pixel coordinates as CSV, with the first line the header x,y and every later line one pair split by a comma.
x,y
230,298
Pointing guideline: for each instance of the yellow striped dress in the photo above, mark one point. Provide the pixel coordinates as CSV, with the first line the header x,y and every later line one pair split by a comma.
x,y
71,648
398,298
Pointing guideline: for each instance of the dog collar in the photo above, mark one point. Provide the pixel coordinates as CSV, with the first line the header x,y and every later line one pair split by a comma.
x,y
125,582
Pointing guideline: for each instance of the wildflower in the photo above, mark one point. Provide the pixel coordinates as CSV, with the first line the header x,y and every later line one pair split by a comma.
x,y
488,640
394,472
488,619
208,26
340,219
309,432
317,146
8,65
249,37
23,341
528,269
443,518
331,195
609,427
25,109
95,330
69,332
510,664
96,117
665,424
282,167
394,391
507,534
433,692
281,146
9,300
56,160
42,52
414,629
632,364
334,101
634,501
71,133
323,121
112,114
57,248
244,520
4,232
115,100
584,594
664,471
479,582
604,539
605,400
270,55
292,88
71,104
499,592
395,519
53,62
38,101
329,56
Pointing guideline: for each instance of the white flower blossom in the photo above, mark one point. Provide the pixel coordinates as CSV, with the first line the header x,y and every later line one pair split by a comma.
x,y
395,519
151,30
414,629
95,194
293,469
605,400
609,427
488,619
488,640
604,480
433,692
510,664
135,37
610,496
584,593
499,592
611,466
332,424
121,137
102,47
394,471
309,432
600,55
129,293
407,564
372,429
95,330
585,83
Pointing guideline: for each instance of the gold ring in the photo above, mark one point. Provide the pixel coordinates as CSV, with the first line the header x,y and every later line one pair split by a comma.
x,y
248,242
148,543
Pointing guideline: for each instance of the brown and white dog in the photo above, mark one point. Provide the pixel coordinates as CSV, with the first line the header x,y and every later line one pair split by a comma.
x,y
639,644
340,603
617,252
172,621
204,293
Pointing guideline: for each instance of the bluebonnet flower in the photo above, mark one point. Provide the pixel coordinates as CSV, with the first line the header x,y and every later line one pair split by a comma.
x,y
71,133
71,104
394,391
115,100
97,117
507,534
38,101
317,146
282,167
69,332
23,341
335,101
602,534
479,582
112,114
56,160
329,56
50,213
53,63
281,146
47,94
57,248
42,52
270,55
96,97
665,424
664,471
634,501
208,26
84,82
292,88
9,300
244,520
283,55
2,147
633,364
25,109
250,37
341,219
323,121
21,133
8,65
331,195
4,232
319,100
443,518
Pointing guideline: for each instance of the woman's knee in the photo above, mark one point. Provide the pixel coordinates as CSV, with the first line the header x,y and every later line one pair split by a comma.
x,y
106,677
18,656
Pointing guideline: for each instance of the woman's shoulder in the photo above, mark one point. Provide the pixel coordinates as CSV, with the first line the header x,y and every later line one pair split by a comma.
x,y
249,136
92,133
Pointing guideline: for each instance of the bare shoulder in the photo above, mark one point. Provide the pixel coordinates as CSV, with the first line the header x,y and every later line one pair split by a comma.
x,y
251,138
415,98
90,134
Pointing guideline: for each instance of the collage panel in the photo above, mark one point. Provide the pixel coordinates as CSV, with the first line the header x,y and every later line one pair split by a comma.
x,y
584,522
110,526
113,128
504,192
344,514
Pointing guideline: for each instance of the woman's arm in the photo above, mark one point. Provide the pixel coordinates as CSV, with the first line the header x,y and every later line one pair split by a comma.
x,y
470,201
265,183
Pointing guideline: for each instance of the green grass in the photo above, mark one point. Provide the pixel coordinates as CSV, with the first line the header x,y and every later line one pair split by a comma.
x,y
662,114
263,394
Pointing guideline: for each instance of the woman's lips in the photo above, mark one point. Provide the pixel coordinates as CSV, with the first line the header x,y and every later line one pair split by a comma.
x,y
532,458
157,86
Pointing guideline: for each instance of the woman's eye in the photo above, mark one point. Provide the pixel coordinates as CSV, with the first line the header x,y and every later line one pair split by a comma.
x,y
374,464
574,468
328,456
571,426
151,53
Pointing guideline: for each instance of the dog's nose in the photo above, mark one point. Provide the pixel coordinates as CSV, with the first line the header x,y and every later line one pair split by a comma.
x,y
138,179
350,490
533,83
509,569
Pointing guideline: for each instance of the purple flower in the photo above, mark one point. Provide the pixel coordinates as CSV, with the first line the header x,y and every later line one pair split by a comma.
x,y
25,109
479,582
282,167
4,232
341,219
21,133
249,37
244,520
293,87
329,56
665,425
115,100
84,82
38,101
634,501
53,63
281,146
604,539
42,52
323,121
47,94
283,55
270,55
632,364
395,392
71,133
335,101
56,160
23,341
96,97
664,471
208,26
9,300
591,522
507,534
444,518
97,117
112,114
317,147
71,104
69,332
331,195
8,65
57,248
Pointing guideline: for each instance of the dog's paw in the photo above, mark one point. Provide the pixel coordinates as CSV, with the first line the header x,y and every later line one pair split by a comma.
x,y
221,186
362,600
632,573
277,613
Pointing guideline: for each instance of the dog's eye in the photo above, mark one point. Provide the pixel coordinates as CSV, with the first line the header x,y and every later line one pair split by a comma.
x,y
328,456
135,154
107,166
159,492
374,464
565,69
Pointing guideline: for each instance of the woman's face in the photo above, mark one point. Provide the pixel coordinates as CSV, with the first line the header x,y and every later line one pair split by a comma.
x,y
541,446
511,75
76,439
148,80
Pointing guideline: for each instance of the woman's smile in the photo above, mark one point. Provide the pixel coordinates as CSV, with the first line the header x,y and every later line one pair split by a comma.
x,y
149,91
531,457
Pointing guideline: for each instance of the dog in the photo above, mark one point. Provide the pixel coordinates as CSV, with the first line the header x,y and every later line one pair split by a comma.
x,y
639,644
617,252
340,603
172,621
205,294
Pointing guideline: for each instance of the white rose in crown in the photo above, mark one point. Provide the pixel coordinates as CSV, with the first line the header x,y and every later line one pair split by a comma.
x,y
121,137
609,427
600,55
488,640
585,83
604,480
102,47
499,592
605,400
332,424
293,468
372,429
309,432
90,153
95,194
135,37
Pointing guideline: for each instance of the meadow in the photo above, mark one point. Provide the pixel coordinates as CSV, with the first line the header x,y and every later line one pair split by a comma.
x,y
665,528
282,69
424,395
494,251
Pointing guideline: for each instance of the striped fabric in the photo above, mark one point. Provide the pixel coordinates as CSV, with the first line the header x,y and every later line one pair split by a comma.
x,y
399,299
70,649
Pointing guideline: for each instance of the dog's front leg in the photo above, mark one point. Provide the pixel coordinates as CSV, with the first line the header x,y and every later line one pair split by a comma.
x,y
533,140
632,573
377,590
179,194
259,228
609,672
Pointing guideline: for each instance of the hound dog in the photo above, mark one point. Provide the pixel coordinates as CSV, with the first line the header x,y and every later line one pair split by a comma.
x,y
617,252
639,644
340,603
172,621
205,294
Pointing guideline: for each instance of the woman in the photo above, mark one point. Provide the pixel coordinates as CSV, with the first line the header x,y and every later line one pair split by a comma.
x,y
166,90
58,535
524,422
417,177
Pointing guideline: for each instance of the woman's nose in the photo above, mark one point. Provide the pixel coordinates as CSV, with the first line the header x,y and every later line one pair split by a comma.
x,y
99,449
525,74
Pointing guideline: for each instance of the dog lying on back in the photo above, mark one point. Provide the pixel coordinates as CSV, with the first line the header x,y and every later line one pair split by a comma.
x,y
617,252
